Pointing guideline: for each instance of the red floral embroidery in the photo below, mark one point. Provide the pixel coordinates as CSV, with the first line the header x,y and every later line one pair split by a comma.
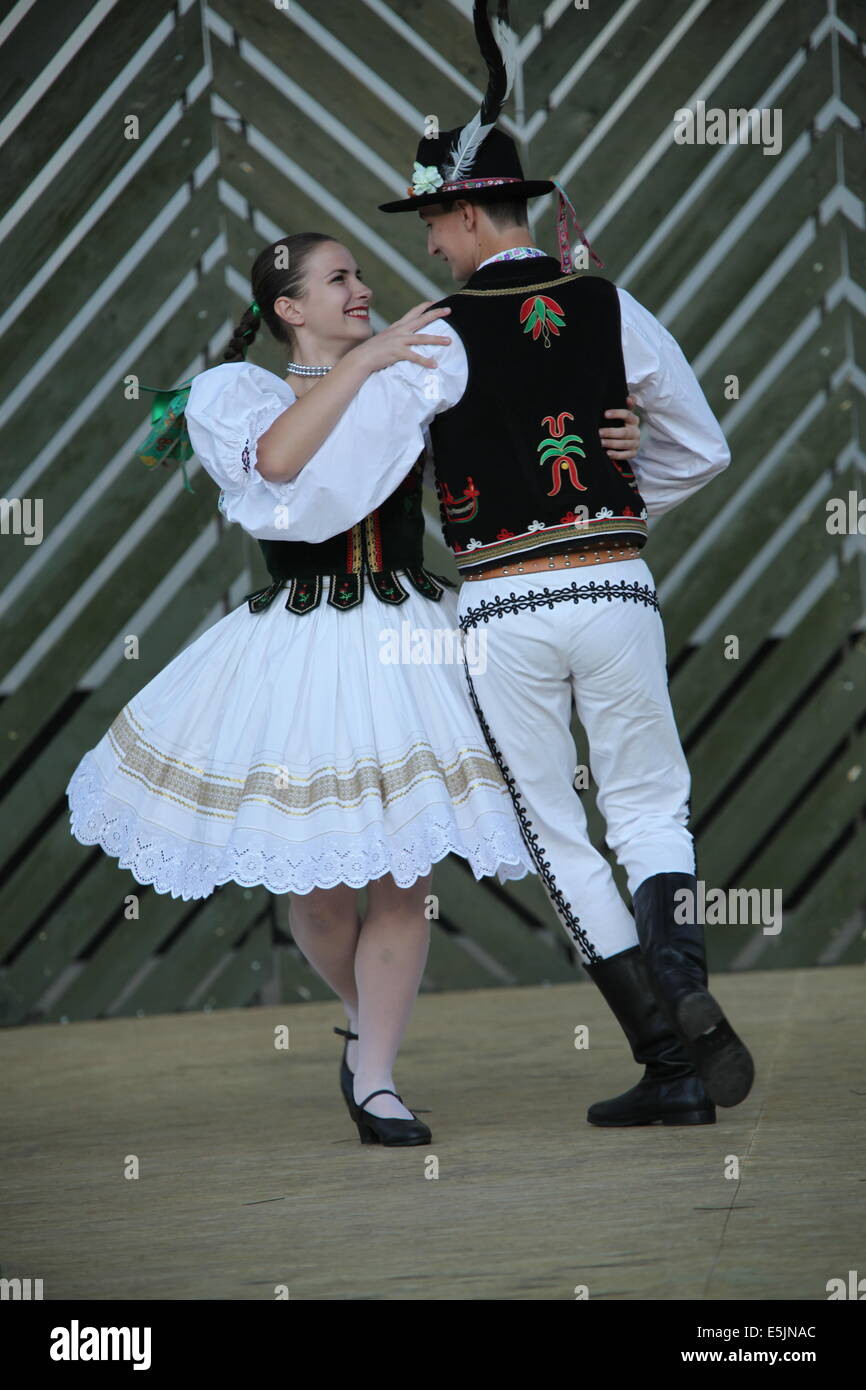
x,y
463,508
556,451
542,316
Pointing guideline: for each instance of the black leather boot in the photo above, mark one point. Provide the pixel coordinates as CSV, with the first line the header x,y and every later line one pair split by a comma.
x,y
670,1091
677,967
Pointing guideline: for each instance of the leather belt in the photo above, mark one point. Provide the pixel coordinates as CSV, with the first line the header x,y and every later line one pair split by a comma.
x,y
568,559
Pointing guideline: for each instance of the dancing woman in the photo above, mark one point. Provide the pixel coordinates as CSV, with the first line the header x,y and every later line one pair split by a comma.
x,y
282,747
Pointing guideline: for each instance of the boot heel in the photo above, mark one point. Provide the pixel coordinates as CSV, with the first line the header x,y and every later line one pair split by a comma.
x,y
723,1062
697,1014
692,1117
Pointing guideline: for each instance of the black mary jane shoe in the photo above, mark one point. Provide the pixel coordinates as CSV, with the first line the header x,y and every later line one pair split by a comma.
x,y
378,1129
347,1077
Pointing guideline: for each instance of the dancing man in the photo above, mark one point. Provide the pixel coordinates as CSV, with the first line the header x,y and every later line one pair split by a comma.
x,y
526,492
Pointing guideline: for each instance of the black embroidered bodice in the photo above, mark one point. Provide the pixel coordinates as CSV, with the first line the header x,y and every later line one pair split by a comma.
x,y
389,540
520,469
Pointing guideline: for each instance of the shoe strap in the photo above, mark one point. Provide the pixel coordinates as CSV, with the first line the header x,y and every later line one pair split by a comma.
x,y
345,1034
379,1093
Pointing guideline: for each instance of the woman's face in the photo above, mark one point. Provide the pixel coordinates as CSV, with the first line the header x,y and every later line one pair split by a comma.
x,y
336,305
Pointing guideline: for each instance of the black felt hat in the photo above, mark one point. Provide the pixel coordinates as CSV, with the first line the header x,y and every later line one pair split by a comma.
x,y
477,159
494,172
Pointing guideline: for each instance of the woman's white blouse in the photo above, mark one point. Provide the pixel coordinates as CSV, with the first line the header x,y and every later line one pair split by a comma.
x,y
232,405
228,410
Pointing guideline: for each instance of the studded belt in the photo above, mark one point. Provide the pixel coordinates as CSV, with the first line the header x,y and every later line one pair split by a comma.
x,y
567,559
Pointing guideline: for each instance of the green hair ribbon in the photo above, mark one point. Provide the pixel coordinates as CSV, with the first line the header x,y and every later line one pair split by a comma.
x,y
256,312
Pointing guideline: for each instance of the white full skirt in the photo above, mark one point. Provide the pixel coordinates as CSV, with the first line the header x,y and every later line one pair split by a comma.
x,y
283,750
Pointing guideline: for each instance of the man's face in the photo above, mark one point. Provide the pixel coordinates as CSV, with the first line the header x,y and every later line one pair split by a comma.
x,y
450,237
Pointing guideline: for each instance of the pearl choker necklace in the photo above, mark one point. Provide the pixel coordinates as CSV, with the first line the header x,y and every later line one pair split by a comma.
x,y
300,370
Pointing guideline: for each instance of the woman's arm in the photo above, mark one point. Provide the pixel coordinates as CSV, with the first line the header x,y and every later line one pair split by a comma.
x,y
621,441
301,430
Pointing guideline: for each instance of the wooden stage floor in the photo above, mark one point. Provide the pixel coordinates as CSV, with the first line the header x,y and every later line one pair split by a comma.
x,y
251,1176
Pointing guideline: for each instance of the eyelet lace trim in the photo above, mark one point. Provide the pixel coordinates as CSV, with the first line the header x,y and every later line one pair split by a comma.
x,y
154,856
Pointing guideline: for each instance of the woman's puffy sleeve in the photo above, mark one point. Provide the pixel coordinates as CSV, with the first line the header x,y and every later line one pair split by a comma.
x,y
369,452
228,409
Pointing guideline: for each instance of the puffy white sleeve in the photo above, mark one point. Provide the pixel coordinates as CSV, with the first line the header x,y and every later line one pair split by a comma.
x,y
376,441
682,445
229,408
365,458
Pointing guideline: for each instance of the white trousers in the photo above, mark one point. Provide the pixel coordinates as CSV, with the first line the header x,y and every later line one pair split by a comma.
x,y
531,644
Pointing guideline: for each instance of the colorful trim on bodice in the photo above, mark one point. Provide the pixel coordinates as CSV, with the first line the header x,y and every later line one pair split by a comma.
x,y
347,590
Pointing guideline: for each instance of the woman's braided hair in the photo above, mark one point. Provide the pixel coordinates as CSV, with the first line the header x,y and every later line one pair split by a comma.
x,y
280,269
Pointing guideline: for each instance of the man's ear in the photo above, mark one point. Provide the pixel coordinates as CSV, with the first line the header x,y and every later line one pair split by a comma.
x,y
468,214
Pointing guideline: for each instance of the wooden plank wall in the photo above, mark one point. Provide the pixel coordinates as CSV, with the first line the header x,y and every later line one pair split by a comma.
x,y
131,255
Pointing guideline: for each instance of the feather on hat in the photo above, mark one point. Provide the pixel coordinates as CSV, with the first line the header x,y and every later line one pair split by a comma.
x,y
478,158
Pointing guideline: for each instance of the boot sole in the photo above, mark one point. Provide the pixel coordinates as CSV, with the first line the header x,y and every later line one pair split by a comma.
x,y
722,1061
686,1117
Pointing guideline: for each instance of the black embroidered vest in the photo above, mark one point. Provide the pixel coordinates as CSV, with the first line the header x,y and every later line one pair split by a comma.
x,y
520,468
389,539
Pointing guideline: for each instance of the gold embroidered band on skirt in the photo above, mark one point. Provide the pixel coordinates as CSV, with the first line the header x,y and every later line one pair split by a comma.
x,y
212,794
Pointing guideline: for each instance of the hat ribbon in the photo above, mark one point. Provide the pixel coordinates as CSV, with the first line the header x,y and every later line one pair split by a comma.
x,y
566,206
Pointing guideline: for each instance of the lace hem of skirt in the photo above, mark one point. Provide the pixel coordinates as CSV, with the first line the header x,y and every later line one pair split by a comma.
x,y
188,871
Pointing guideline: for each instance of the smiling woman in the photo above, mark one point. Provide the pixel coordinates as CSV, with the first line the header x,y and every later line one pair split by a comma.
x,y
323,315
280,748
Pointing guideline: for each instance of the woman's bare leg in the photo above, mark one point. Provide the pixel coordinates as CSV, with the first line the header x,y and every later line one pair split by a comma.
x,y
389,962
325,924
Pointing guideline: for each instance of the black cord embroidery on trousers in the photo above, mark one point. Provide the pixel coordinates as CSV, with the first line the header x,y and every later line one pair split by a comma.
x,y
514,603
546,598
530,838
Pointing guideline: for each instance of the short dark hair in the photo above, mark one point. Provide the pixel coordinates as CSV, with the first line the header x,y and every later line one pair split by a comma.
x,y
506,212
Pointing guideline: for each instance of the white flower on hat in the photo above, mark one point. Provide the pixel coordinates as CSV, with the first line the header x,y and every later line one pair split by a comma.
x,y
425,178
